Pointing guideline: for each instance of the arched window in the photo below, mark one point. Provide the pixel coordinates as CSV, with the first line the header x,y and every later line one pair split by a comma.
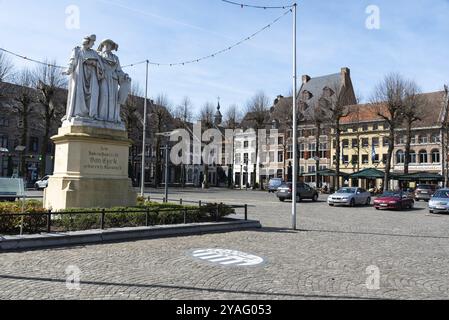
x,y
400,157
435,156
412,157
423,156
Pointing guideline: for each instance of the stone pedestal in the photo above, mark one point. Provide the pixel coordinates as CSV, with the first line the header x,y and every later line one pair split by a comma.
x,y
91,169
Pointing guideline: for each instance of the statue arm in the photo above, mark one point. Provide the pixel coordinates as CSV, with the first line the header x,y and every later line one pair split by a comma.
x,y
123,77
73,61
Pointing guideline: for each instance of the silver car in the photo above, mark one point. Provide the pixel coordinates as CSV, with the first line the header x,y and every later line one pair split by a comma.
x,y
42,184
350,197
439,201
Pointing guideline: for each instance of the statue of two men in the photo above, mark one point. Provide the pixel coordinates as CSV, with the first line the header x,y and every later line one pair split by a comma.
x,y
98,87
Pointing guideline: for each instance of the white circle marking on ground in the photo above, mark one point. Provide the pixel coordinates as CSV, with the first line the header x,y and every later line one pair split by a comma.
x,y
227,257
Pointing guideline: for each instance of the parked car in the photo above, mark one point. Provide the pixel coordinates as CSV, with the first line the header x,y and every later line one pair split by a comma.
x,y
274,184
11,189
350,197
424,192
394,200
439,201
303,191
42,184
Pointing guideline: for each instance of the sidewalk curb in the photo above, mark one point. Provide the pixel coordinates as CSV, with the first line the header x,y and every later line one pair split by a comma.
x,y
40,241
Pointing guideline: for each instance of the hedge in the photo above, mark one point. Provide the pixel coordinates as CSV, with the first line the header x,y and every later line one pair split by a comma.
x,y
117,217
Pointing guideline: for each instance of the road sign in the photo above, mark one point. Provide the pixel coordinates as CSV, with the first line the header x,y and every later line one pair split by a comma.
x,y
227,257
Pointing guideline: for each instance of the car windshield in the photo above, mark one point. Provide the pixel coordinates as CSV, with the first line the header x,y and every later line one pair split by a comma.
x,y
391,194
275,182
442,194
347,190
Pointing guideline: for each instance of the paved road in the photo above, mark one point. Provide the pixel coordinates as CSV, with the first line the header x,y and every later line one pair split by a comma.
x,y
327,259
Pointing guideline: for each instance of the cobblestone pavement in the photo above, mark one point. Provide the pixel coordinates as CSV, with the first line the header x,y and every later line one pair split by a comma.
x,y
327,259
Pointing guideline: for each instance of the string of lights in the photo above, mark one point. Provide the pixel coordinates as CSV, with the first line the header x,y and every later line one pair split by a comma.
x,y
32,60
213,55
243,5
182,63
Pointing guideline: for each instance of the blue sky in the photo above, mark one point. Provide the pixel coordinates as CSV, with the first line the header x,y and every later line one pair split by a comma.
x,y
412,40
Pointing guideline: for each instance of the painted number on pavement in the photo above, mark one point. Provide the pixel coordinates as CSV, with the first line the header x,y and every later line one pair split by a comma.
x,y
227,257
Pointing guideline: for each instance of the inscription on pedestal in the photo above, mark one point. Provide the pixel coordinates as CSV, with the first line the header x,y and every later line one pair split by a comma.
x,y
102,160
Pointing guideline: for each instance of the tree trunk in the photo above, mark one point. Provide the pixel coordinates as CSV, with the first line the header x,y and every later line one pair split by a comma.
x,y
44,146
389,156
317,152
407,146
337,154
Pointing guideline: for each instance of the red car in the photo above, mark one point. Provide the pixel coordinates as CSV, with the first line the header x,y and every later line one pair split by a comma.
x,y
394,200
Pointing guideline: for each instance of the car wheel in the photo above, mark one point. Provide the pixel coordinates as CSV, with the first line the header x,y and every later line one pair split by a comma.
x,y
281,199
368,201
431,211
352,203
315,198
298,198
411,205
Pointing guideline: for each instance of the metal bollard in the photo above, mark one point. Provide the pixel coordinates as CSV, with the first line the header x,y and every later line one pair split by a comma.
x,y
246,212
147,214
103,215
180,202
200,204
185,216
49,221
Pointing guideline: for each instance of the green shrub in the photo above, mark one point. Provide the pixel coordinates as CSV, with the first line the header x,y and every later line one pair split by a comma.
x,y
118,217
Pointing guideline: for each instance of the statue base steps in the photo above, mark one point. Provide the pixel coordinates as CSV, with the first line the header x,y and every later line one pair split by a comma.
x,y
91,169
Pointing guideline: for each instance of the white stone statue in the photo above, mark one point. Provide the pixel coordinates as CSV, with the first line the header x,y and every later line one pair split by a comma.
x,y
115,85
85,71
98,87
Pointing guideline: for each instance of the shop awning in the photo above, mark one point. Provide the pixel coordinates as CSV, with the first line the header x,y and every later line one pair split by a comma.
x,y
325,173
370,173
419,176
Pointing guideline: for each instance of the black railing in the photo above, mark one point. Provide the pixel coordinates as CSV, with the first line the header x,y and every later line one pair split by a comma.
x,y
214,213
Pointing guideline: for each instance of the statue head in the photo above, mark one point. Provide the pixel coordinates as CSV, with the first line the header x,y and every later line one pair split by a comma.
x,y
89,41
108,45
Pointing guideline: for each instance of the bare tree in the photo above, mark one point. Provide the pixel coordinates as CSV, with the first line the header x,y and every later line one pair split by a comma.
x,y
388,101
184,111
160,121
6,67
258,111
206,116
25,102
414,108
233,117
48,81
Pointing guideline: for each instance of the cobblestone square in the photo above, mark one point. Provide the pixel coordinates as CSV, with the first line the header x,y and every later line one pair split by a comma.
x,y
326,259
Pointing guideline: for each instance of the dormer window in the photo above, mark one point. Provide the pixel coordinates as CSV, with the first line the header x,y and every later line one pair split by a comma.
x,y
306,95
328,92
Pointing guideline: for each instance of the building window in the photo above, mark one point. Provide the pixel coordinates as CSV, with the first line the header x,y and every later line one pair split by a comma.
x,y
385,141
4,141
355,160
4,122
34,144
436,138
245,158
400,157
423,156
384,158
246,144
375,126
302,150
345,143
290,152
376,142
413,140
238,158
355,143
401,139
281,140
312,169
375,158
423,139
365,142
365,159
435,156
280,156
365,127
412,157
345,159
